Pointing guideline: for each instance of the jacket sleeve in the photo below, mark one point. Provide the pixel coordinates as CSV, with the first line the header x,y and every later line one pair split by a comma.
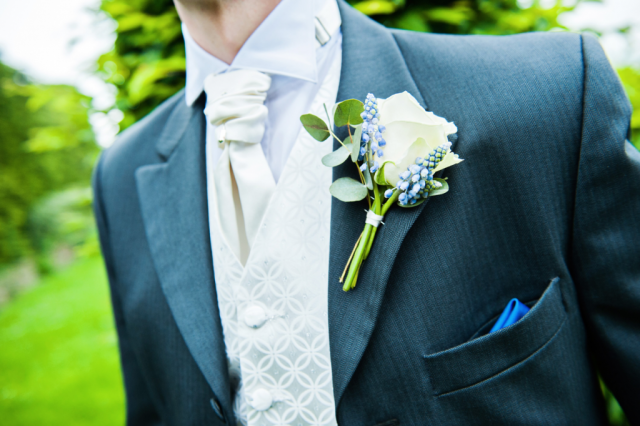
x,y
140,409
606,230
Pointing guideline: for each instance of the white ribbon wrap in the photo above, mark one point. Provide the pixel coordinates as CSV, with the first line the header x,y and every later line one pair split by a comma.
x,y
374,219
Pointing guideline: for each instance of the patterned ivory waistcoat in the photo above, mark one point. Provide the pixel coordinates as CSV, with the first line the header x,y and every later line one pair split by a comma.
x,y
274,310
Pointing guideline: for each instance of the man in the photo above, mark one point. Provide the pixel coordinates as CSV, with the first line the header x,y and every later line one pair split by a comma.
x,y
224,249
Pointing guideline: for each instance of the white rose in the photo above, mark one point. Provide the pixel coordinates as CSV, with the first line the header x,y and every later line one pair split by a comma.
x,y
410,132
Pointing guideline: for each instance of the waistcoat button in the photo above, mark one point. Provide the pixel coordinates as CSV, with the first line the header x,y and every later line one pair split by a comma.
x,y
255,316
261,399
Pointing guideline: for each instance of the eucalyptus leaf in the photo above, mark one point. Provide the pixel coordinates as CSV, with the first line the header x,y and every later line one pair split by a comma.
x,y
316,127
417,203
347,189
443,189
348,112
357,137
337,157
367,178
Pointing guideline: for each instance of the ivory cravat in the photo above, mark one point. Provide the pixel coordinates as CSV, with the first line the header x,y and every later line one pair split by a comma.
x,y
243,180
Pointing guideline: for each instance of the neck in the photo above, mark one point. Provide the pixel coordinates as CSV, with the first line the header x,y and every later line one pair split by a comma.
x,y
221,27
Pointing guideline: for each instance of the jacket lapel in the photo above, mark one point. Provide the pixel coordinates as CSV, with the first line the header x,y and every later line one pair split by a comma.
x,y
173,200
375,66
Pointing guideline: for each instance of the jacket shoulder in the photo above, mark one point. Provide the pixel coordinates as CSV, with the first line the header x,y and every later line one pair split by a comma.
x,y
519,64
533,49
513,83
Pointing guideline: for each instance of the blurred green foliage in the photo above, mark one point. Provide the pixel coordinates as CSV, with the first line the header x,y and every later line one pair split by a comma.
x,y
495,17
59,356
147,64
46,145
631,81
63,218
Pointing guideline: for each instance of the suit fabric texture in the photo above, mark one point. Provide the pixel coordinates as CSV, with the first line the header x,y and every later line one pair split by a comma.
x,y
544,209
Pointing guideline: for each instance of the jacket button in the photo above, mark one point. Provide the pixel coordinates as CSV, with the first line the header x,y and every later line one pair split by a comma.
x,y
261,399
216,408
255,316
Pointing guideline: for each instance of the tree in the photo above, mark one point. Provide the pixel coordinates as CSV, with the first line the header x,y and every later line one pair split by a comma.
x,y
46,144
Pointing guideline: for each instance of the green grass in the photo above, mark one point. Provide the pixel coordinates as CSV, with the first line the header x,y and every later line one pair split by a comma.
x,y
58,353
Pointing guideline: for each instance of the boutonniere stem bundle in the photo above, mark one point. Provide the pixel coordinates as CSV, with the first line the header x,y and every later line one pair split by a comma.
x,y
397,147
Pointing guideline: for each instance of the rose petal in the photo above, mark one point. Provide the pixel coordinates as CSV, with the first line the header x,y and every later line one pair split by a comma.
x,y
404,107
450,129
419,148
401,134
449,160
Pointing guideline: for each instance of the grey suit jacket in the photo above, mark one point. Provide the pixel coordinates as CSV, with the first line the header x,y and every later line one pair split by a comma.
x,y
546,208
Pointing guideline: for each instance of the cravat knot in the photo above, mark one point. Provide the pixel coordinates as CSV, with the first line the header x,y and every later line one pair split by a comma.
x,y
235,105
243,181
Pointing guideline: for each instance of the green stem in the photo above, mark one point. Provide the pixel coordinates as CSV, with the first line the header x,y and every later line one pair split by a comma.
x,y
370,243
381,212
357,258
366,240
391,201
376,210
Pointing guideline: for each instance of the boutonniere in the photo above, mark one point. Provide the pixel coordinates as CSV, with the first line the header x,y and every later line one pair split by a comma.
x,y
397,148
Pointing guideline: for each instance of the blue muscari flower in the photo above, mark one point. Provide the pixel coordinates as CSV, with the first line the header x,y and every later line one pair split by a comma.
x,y
363,167
375,167
371,132
417,181
388,193
435,156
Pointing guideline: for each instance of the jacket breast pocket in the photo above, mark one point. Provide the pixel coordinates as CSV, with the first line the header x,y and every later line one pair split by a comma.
x,y
487,356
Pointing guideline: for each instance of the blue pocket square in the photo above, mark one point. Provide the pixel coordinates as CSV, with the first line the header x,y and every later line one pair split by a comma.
x,y
511,314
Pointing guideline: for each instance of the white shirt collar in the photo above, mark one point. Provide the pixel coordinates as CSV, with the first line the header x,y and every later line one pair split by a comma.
x,y
283,44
